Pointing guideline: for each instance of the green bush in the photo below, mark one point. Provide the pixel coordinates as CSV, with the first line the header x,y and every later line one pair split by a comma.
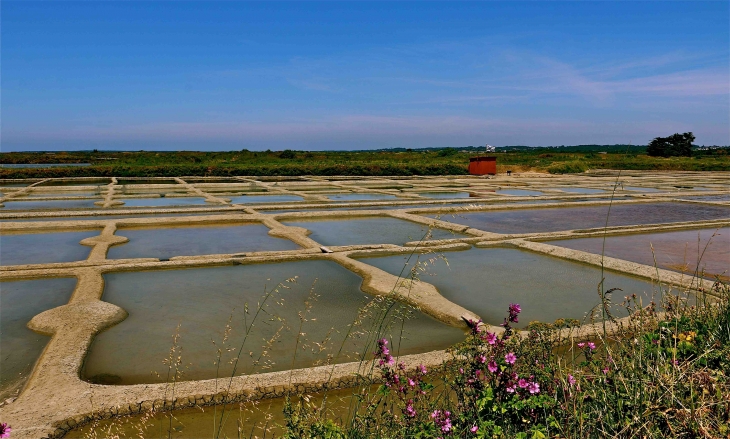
x,y
571,167
446,152
287,154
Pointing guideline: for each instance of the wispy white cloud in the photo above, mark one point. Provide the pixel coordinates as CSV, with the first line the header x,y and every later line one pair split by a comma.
x,y
481,93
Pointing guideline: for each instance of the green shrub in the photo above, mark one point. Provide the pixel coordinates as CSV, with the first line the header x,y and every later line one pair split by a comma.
x,y
287,154
571,167
446,152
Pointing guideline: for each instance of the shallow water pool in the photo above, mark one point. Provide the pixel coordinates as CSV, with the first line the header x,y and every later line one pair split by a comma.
x,y
579,190
258,419
35,194
723,197
370,231
109,217
446,195
519,192
486,281
51,204
688,251
197,240
569,218
255,199
355,197
44,248
21,301
202,300
171,201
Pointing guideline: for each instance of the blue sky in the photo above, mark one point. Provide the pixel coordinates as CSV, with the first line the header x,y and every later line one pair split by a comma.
x,y
175,75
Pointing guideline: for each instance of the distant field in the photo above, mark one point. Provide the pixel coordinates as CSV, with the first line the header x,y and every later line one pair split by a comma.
x,y
430,162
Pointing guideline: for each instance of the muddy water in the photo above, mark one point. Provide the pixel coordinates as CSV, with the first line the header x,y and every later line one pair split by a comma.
x,y
568,218
486,281
688,251
189,241
202,300
257,419
20,347
44,248
370,231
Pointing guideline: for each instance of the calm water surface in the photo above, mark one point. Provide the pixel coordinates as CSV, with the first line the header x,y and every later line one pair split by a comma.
x,y
192,240
44,248
20,347
486,281
202,300
569,218
688,251
370,231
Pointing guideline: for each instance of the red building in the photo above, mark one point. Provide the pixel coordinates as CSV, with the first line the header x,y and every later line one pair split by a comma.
x,y
483,165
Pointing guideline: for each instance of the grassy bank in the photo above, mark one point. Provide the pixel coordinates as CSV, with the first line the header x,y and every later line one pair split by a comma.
x,y
175,164
659,376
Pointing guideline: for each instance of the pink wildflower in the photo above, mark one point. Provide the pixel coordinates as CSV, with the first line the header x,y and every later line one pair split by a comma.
x,y
581,345
510,358
410,411
522,383
474,429
383,353
514,309
5,430
491,338
422,369
474,325
442,420
533,387
571,380
492,366
482,359
591,345
411,382
511,388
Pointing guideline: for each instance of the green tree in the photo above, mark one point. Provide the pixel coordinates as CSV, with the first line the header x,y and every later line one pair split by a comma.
x,y
672,146
287,154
